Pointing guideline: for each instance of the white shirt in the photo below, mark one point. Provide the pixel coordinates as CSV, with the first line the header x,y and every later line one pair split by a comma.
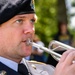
x,y
11,64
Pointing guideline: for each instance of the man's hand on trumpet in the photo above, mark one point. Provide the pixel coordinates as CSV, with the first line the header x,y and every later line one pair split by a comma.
x,y
66,65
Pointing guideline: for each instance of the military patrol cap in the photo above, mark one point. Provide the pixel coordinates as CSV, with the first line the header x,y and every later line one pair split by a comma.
x,y
10,8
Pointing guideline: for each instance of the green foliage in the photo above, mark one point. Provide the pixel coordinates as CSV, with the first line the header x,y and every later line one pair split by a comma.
x,y
46,25
73,3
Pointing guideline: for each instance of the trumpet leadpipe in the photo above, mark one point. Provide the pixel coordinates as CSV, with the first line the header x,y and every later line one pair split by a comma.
x,y
51,51
45,49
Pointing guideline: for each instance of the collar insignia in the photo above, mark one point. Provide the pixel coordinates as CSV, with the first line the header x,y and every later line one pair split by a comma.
x,y
2,72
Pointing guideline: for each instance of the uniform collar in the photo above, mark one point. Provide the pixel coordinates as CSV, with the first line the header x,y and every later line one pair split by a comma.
x,y
11,64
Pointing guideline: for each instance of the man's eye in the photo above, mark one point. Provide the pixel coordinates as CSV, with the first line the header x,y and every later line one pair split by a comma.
x,y
33,21
19,21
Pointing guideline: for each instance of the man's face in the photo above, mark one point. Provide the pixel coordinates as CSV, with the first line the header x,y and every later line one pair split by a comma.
x,y
14,34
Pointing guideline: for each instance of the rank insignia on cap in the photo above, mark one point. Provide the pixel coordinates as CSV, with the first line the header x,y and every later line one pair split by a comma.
x,y
32,4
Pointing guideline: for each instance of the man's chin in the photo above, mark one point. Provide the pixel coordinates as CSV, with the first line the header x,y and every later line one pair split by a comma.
x,y
27,54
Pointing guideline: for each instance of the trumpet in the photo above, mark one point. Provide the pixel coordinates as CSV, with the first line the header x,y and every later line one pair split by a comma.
x,y
53,46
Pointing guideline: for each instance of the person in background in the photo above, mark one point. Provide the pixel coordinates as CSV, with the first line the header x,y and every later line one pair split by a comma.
x,y
63,35
17,18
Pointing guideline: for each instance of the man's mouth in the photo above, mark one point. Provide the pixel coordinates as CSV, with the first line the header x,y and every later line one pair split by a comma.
x,y
28,41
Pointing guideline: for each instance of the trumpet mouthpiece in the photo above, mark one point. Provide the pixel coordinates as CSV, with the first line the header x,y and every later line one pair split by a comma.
x,y
29,41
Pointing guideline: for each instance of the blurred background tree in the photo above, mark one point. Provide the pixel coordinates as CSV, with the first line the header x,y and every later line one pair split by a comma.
x,y
49,12
47,21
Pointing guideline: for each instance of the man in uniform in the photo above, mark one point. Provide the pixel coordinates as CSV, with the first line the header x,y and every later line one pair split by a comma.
x,y
17,18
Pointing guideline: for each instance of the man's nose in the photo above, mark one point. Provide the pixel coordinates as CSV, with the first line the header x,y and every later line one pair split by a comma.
x,y
29,29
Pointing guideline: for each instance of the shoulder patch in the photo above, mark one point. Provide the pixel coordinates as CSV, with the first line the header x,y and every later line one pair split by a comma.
x,y
36,62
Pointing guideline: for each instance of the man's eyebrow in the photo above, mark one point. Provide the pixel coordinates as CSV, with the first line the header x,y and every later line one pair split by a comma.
x,y
20,16
24,16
